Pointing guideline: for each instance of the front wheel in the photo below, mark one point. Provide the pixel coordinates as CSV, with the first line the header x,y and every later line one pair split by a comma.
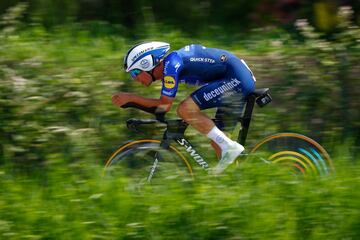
x,y
301,154
145,161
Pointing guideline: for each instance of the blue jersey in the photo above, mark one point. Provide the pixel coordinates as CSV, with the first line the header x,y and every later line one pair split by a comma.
x,y
199,65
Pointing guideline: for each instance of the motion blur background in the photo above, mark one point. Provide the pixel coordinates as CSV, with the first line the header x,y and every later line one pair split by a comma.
x,y
60,63
192,17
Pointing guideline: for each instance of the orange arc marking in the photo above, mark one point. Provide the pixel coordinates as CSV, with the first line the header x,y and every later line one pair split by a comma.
x,y
291,158
149,140
299,167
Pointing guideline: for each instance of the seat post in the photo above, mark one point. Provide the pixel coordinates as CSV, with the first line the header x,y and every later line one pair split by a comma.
x,y
245,120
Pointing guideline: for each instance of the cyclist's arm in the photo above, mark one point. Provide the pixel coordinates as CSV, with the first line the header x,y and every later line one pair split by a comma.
x,y
164,102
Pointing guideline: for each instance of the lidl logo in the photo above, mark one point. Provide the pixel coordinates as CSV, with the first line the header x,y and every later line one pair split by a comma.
x,y
169,82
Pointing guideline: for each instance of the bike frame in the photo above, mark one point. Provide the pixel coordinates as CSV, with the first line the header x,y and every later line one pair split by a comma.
x,y
311,157
176,128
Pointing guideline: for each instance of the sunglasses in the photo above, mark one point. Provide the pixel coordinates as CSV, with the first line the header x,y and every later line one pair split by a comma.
x,y
134,73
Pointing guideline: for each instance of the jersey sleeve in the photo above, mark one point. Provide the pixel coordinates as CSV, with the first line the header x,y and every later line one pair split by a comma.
x,y
172,67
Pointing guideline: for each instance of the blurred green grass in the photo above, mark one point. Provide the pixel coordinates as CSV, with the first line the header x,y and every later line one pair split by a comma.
x,y
253,201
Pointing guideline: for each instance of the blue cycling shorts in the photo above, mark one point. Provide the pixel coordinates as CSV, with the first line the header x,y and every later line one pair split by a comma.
x,y
227,94
238,80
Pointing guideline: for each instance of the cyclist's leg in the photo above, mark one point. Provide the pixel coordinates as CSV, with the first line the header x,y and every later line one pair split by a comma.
x,y
227,116
209,96
191,113
238,82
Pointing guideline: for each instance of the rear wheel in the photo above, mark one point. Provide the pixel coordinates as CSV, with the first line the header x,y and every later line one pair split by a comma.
x,y
145,161
302,155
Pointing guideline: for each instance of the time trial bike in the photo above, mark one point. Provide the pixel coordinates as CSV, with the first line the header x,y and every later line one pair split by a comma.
x,y
152,158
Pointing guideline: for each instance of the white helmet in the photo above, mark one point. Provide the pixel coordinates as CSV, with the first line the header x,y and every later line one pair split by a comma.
x,y
145,56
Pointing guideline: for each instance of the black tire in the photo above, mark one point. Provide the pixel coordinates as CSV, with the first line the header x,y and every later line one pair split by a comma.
x,y
136,161
301,154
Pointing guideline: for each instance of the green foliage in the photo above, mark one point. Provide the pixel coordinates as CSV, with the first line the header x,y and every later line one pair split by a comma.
x,y
325,76
192,17
47,91
56,86
11,19
254,201
315,80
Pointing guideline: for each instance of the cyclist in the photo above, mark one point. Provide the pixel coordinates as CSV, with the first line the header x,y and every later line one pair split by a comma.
x,y
224,81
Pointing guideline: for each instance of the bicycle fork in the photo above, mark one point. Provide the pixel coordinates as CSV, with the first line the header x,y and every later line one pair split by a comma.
x,y
153,167
164,144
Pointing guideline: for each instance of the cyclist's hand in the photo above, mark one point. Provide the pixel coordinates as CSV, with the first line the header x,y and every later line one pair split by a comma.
x,y
120,99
